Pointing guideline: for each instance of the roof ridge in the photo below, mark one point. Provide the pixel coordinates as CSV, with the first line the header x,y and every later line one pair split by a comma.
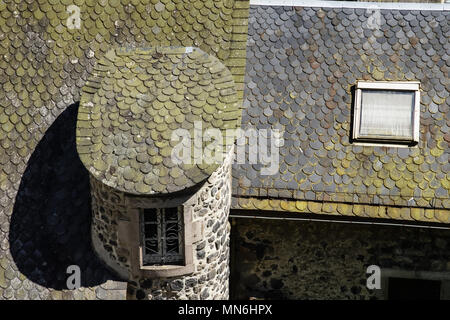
x,y
355,5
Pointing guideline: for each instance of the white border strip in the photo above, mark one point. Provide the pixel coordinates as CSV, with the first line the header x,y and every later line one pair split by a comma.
x,y
354,5
340,221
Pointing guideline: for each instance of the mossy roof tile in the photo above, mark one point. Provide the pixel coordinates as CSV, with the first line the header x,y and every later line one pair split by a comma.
x,y
142,82
301,66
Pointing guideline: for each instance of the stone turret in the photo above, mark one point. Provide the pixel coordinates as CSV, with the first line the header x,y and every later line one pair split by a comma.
x,y
160,198
160,201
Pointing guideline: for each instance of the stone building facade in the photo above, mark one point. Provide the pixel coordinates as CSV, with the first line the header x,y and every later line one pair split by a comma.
x,y
83,154
160,204
303,68
57,47
206,208
313,260
210,251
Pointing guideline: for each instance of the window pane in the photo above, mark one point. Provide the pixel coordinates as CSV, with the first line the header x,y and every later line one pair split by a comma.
x,y
151,230
172,230
387,113
171,214
172,246
151,247
150,215
162,234
414,289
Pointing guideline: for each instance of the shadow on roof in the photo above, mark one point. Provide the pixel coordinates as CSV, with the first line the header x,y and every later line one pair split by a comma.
x,y
50,224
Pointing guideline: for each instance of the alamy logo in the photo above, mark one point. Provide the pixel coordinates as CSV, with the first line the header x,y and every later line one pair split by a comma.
x,y
207,146
74,20
74,280
374,20
374,280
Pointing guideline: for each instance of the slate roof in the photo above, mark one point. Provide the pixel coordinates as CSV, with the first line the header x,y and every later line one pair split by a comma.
x,y
43,67
301,66
134,103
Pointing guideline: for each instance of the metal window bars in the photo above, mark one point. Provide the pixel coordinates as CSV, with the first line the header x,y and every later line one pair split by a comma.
x,y
162,236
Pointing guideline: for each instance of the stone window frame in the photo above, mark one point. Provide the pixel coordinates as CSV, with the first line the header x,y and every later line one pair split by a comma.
x,y
391,86
160,223
442,276
191,231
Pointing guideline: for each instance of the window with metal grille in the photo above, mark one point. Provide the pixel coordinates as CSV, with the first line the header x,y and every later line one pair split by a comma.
x,y
162,236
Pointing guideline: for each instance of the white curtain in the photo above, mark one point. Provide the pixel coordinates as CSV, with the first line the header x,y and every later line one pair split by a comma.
x,y
387,113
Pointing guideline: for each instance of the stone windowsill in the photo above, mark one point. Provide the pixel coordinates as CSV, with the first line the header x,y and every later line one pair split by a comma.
x,y
166,271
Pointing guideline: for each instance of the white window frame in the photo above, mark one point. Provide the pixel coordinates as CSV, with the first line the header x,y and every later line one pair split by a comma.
x,y
391,86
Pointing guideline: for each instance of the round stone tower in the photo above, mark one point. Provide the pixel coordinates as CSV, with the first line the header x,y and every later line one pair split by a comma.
x,y
154,130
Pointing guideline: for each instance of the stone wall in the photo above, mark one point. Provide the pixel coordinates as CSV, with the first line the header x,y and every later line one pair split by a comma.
x,y
209,207
321,260
108,206
210,279
43,67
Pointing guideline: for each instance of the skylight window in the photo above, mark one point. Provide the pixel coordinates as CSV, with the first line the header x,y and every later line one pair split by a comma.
x,y
387,112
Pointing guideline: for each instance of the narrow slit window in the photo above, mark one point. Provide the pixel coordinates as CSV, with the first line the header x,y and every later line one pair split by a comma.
x,y
162,236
